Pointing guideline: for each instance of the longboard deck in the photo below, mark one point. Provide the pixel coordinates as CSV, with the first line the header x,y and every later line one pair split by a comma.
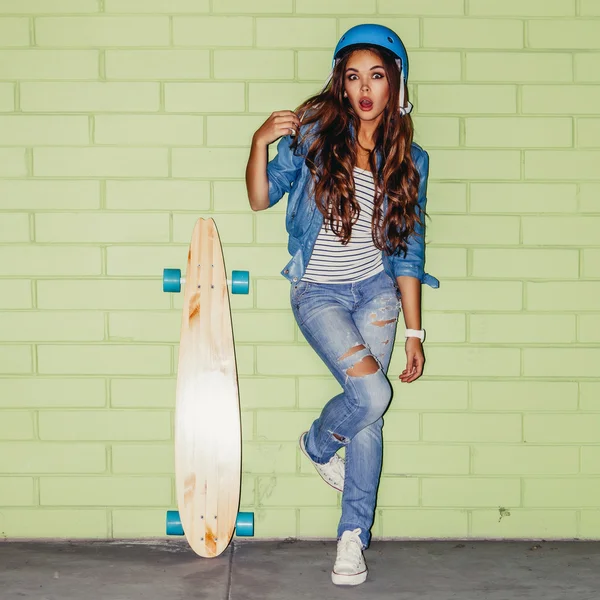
x,y
207,414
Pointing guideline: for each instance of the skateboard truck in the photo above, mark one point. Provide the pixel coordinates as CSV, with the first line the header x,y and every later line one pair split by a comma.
x,y
172,281
244,525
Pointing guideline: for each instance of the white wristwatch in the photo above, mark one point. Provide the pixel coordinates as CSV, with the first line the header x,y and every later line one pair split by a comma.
x,y
418,333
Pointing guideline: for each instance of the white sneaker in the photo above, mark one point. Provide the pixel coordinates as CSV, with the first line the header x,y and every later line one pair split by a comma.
x,y
331,472
350,567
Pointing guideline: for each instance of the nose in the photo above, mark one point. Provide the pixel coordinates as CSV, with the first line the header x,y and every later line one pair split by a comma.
x,y
365,86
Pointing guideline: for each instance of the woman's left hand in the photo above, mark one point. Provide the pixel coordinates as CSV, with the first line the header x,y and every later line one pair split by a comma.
x,y
414,360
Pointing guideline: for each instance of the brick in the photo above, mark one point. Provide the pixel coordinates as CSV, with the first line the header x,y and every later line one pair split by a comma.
x,y
105,491
247,419
289,360
401,426
522,8
39,392
16,425
144,260
437,131
446,197
49,64
101,162
97,360
316,392
525,460
143,393
276,522
511,67
232,130
562,428
560,99
212,32
561,231
426,7
29,194
519,132
258,7
102,31
248,492
295,491
517,523
467,99
472,33
14,227
259,392
15,294
589,526
273,294
14,31
261,262
97,227
157,195
12,162
38,326
15,359
318,523
144,326
521,198
591,264
589,8
136,523
565,295
424,524
270,228
16,491
407,27
456,229
281,425
589,328
39,457
335,7
473,492
398,491
157,6
471,362
522,329
208,162
523,395
157,64
204,97
89,96
425,460
574,165
54,523
296,32
563,33
435,66
588,133
138,459
93,425
562,493
476,295
254,64
42,130
430,395
471,427
314,65
266,98
546,263
7,97
444,328
100,295
257,327
589,197
560,362
156,130
36,7
587,68
266,458
475,164
590,460
233,229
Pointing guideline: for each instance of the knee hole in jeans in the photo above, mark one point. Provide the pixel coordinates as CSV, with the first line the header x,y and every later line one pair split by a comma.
x,y
365,366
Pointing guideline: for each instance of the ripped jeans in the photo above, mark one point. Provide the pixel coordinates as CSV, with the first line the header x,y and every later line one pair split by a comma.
x,y
352,327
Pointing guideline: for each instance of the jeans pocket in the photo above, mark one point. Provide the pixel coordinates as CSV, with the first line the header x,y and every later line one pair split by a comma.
x,y
299,289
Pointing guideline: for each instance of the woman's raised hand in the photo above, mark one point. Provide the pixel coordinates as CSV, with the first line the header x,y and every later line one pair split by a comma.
x,y
281,122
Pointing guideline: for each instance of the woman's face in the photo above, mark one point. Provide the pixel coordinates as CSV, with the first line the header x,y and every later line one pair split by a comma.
x,y
366,85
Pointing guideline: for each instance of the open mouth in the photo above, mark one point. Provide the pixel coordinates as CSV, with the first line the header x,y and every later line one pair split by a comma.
x,y
366,104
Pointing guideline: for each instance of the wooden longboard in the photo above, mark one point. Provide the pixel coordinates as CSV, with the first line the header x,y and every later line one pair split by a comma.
x,y
207,413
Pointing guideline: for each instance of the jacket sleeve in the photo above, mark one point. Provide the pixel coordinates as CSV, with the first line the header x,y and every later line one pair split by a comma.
x,y
413,264
283,170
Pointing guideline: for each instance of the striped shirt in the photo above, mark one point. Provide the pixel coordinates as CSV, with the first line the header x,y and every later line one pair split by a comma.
x,y
331,262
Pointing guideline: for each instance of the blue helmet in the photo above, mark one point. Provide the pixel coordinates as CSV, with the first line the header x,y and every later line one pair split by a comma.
x,y
374,35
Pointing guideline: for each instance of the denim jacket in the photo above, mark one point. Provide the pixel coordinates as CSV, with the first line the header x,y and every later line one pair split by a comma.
x,y
287,173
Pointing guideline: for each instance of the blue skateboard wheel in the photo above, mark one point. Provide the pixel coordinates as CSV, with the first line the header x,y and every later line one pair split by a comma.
x,y
172,280
244,525
174,526
240,282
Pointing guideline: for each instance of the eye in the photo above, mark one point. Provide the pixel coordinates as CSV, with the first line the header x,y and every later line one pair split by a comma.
x,y
378,76
352,77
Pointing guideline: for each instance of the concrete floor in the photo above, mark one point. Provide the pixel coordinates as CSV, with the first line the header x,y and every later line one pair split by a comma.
x,y
159,569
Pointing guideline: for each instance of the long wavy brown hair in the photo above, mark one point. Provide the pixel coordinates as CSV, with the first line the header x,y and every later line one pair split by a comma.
x,y
331,139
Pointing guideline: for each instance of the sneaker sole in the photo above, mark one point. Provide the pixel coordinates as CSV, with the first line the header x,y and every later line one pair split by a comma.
x,y
355,579
313,464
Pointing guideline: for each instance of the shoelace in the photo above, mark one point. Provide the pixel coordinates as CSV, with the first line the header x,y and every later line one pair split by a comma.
x,y
351,547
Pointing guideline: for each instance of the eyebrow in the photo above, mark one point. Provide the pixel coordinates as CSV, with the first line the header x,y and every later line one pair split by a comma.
x,y
371,69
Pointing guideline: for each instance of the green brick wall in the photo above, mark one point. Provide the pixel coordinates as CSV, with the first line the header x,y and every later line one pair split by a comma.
x,y
123,121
